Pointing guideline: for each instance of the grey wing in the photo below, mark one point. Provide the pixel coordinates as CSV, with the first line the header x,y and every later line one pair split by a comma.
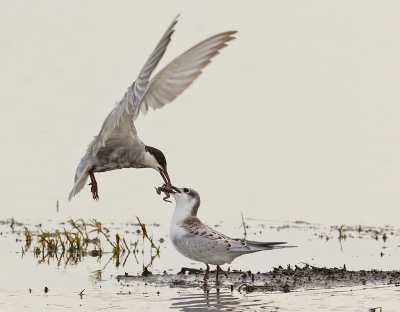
x,y
179,74
117,125
202,243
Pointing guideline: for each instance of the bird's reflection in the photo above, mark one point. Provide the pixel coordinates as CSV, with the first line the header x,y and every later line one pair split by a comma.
x,y
208,298
211,298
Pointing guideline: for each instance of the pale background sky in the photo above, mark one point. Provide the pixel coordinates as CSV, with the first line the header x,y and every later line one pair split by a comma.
x,y
298,119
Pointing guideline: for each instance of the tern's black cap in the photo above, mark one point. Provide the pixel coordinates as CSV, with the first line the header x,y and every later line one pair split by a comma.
x,y
158,155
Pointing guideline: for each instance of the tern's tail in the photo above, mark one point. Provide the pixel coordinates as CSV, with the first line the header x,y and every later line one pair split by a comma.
x,y
81,177
258,246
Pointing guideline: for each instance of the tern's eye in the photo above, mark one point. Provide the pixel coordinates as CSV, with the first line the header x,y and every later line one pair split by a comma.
x,y
186,190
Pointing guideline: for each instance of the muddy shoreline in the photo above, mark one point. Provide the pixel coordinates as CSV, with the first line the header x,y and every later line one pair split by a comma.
x,y
279,279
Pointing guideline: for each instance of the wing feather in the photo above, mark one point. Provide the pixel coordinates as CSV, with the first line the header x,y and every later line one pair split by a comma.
x,y
202,241
165,86
179,74
118,123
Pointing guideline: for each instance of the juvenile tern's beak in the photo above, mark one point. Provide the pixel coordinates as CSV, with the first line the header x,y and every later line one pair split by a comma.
x,y
176,190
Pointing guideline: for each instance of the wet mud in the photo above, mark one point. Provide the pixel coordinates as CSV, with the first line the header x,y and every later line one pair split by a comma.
x,y
279,279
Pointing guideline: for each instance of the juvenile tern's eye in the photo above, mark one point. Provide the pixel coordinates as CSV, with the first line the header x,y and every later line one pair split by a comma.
x,y
186,190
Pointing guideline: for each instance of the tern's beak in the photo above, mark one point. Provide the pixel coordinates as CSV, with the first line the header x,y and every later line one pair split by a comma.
x,y
175,194
171,189
164,175
176,190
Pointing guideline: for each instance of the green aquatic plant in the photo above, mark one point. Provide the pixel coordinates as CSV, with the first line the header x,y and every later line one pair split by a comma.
x,y
153,246
69,245
342,235
144,233
244,226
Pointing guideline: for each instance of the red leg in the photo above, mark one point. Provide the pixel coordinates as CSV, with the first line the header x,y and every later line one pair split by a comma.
x,y
218,268
207,272
93,183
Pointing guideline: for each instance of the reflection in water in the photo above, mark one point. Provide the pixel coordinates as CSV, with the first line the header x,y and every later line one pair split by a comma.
x,y
96,276
208,299
216,299
70,247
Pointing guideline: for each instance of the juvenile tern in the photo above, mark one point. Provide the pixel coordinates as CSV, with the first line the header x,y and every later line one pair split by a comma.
x,y
199,242
117,145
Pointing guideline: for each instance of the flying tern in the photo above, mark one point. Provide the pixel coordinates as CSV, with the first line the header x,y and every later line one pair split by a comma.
x,y
117,145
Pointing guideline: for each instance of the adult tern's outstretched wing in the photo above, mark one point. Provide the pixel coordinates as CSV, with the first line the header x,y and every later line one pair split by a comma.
x,y
172,80
179,74
116,125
